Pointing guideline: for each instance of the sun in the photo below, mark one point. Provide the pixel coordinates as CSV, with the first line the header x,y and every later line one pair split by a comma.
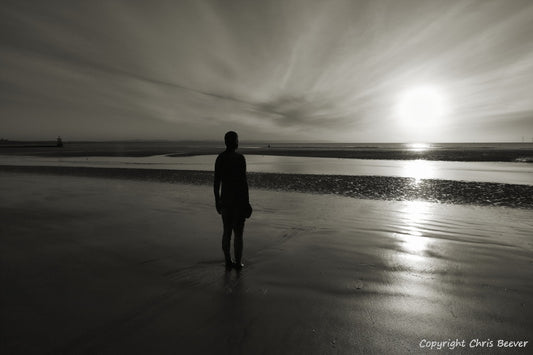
x,y
421,106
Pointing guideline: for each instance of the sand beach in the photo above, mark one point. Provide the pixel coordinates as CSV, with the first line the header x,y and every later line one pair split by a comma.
x,y
388,159
109,264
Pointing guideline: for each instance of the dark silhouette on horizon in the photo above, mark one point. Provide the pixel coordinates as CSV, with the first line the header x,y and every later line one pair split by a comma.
x,y
233,202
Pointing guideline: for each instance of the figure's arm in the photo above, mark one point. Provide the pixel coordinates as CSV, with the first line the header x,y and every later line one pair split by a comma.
x,y
246,181
216,187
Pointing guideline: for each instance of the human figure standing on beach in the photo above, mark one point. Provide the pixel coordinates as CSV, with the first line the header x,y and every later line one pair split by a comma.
x,y
233,203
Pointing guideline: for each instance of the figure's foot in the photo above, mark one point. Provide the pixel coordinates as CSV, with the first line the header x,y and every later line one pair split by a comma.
x,y
238,266
229,265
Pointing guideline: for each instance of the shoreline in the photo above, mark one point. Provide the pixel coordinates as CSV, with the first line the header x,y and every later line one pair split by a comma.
x,y
361,187
467,153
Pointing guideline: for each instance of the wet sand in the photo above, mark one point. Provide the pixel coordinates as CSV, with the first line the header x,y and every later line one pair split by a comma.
x,y
101,265
367,187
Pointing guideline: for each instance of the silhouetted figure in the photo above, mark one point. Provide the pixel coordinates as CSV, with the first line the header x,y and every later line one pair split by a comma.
x,y
233,203
59,142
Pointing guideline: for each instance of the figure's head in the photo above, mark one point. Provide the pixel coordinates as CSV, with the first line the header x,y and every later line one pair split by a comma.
x,y
231,139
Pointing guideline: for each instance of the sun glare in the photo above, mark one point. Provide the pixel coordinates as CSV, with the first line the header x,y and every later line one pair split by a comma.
x,y
421,105
418,147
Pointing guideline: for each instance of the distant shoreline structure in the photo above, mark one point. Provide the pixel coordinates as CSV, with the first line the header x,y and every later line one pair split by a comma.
x,y
10,144
6,143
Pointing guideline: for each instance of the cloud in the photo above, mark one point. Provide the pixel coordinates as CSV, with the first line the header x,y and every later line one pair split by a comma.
x,y
193,68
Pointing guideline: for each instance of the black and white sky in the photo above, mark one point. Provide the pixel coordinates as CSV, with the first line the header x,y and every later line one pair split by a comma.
x,y
272,70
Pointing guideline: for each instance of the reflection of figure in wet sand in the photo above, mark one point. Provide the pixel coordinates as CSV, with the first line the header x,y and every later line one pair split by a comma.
x,y
233,202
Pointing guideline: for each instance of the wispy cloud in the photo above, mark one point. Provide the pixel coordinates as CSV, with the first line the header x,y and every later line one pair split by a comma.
x,y
192,69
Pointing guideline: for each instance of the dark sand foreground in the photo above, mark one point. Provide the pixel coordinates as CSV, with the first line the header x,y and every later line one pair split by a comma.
x,y
121,266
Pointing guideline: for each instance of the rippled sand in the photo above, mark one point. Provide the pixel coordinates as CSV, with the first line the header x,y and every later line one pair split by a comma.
x,y
99,265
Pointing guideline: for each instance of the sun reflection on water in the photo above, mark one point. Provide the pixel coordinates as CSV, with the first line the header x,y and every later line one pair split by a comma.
x,y
418,169
418,147
415,277
414,242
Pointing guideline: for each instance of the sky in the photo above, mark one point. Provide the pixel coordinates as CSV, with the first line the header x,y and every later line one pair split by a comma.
x,y
336,70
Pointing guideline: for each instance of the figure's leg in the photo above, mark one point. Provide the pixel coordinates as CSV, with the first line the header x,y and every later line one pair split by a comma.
x,y
226,237
238,229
